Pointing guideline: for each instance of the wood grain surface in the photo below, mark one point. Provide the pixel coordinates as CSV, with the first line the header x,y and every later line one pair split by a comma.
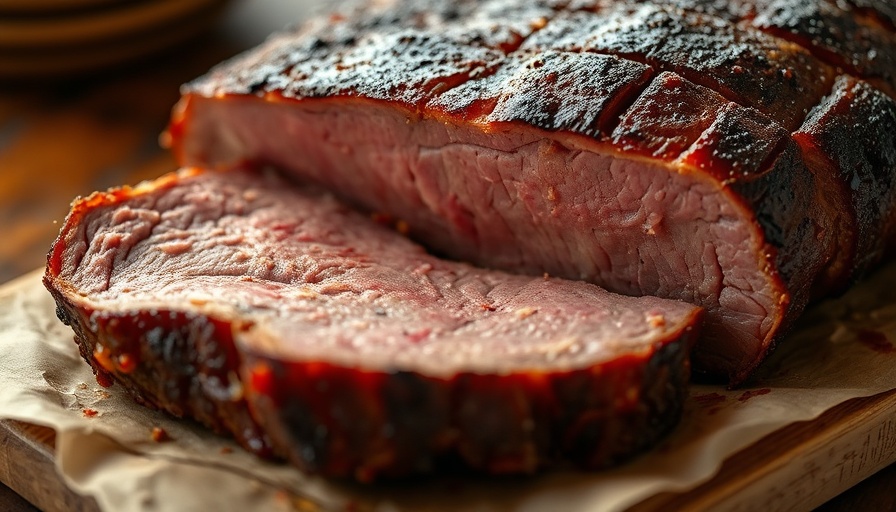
x,y
65,137
10,500
37,481
798,467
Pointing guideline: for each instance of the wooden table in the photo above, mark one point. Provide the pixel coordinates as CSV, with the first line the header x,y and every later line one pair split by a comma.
x,y
61,138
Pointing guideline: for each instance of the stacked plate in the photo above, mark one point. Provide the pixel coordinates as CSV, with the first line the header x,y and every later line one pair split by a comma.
x,y
60,37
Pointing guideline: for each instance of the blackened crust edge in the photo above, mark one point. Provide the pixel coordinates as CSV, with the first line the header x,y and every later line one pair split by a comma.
x,y
386,424
186,365
366,425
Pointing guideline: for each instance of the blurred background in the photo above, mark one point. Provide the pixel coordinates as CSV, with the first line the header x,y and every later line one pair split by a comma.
x,y
86,87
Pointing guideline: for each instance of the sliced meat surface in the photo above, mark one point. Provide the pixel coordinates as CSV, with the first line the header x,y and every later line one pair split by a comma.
x,y
275,313
684,149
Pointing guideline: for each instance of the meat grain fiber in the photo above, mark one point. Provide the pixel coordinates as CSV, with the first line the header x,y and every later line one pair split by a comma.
x,y
737,155
275,313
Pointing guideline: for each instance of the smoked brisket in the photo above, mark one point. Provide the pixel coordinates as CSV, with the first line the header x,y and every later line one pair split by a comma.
x,y
275,313
737,155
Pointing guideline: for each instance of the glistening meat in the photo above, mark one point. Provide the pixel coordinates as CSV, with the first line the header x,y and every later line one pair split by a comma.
x,y
736,155
275,313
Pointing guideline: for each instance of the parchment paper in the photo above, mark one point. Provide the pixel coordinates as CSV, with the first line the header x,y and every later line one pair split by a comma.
x,y
841,350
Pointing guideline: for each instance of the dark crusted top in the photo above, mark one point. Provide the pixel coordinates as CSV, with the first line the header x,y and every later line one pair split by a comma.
x,y
777,56
744,65
551,90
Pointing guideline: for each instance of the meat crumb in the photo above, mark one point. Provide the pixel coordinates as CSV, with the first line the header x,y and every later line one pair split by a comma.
x,y
335,288
656,321
423,269
159,435
418,336
90,413
306,293
523,313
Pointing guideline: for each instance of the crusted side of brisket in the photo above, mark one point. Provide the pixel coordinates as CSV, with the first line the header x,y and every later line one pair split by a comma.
x,y
274,312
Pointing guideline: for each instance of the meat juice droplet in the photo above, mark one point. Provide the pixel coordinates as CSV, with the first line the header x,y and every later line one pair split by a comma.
x,y
876,341
103,358
103,379
159,435
418,336
709,399
753,393
126,363
262,379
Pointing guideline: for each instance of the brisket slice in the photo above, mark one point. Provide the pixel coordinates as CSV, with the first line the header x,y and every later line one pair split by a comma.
x,y
273,312
713,152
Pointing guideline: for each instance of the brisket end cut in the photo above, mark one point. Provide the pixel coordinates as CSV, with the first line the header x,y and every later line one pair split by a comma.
x,y
275,313
712,152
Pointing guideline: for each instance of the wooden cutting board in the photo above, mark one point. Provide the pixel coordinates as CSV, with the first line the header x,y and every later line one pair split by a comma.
x,y
27,466
796,468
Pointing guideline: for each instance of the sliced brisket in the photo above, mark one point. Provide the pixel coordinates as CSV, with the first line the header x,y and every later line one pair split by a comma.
x,y
646,147
277,314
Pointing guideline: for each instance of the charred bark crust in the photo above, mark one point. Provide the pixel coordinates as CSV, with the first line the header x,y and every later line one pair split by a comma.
x,y
371,425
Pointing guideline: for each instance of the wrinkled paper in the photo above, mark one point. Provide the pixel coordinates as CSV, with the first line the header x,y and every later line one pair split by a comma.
x,y
836,353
